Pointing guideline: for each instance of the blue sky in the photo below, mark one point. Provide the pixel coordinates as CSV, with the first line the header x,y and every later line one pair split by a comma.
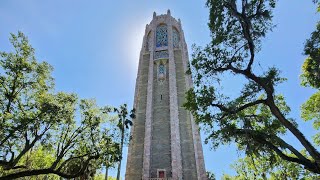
x,y
94,48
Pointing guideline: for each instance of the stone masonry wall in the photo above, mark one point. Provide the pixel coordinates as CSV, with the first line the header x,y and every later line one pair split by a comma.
x,y
160,143
134,171
187,149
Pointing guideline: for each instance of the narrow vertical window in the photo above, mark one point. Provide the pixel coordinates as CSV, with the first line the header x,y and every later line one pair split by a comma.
x,y
175,38
161,72
149,42
161,69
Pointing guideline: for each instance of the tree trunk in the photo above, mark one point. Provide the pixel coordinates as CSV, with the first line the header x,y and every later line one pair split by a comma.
x,y
107,168
277,113
119,167
121,147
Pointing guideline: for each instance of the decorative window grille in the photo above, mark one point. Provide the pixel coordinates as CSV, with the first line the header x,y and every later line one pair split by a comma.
x,y
161,73
162,36
161,54
161,69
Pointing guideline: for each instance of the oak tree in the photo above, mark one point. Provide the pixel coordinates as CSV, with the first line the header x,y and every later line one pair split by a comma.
x,y
256,118
34,117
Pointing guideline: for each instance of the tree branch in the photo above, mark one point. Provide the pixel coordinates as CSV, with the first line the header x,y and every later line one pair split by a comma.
x,y
234,111
302,139
27,147
262,138
246,28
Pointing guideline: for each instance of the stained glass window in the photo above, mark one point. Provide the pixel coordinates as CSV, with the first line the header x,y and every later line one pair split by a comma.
x,y
175,38
161,69
162,36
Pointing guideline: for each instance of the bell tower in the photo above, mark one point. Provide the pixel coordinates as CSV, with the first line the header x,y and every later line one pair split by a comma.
x,y
165,139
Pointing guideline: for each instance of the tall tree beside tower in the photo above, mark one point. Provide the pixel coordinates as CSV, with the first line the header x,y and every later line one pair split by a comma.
x,y
36,121
258,117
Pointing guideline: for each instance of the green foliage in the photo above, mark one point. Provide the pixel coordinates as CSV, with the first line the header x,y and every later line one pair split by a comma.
x,y
40,133
101,176
38,158
229,177
311,67
124,121
317,2
211,176
311,72
234,34
256,117
253,167
311,110
311,77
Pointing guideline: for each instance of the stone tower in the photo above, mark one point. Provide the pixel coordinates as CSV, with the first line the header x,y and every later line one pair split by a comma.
x,y
165,139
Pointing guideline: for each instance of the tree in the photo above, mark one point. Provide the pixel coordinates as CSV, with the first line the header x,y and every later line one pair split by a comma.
x,y
123,123
37,158
228,177
100,176
113,132
119,126
257,118
265,167
35,119
211,176
311,67
310,77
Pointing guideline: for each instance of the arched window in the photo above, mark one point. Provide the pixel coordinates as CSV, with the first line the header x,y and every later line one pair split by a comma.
x,y
175,38
162,36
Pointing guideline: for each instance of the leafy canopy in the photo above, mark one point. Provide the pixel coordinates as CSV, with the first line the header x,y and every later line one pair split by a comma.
x,y
264,167
40,133
255,118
